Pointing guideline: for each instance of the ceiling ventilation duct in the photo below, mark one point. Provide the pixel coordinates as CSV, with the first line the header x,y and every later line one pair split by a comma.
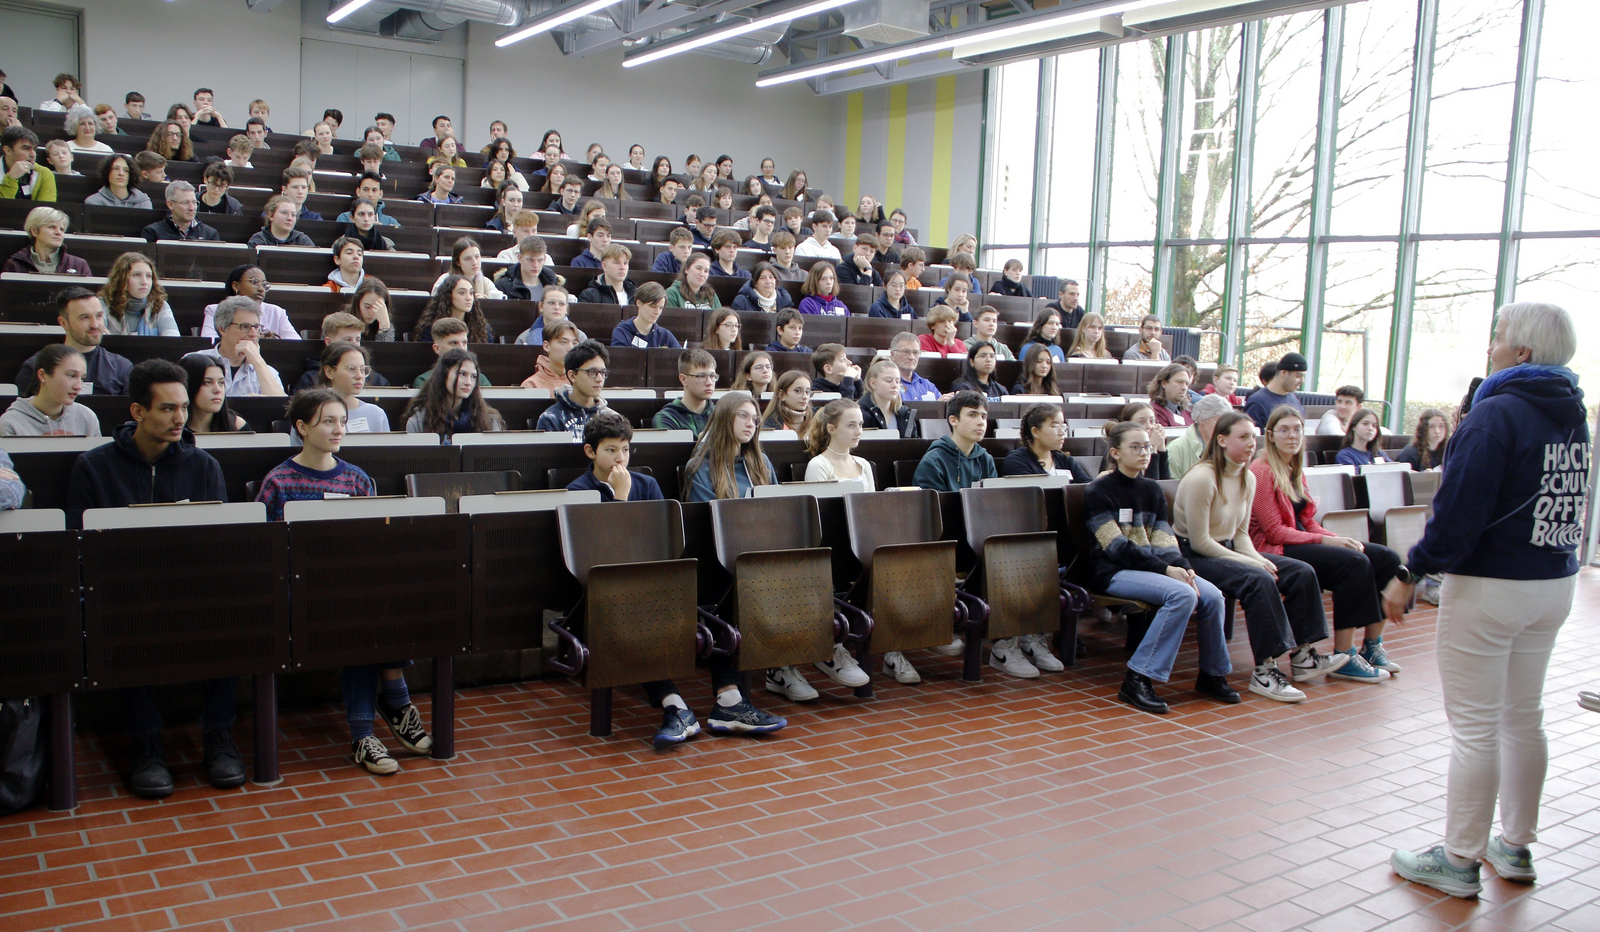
x,y
426,20
887,21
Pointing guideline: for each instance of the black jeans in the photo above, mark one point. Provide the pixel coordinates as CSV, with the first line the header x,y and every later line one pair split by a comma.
x,y
723,673
1279,614
217,712
1355,577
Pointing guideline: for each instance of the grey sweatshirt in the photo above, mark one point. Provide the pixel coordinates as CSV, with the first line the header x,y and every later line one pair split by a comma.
x,y
22,419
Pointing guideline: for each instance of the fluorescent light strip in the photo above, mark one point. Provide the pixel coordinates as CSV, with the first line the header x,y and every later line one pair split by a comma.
x,y
924,46
560,17
346,10
702,39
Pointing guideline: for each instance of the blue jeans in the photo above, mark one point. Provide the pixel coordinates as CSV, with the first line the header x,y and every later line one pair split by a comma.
x,y
361,689
1177,601
218,711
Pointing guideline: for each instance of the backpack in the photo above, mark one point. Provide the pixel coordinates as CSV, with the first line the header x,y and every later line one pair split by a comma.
x,y
24,746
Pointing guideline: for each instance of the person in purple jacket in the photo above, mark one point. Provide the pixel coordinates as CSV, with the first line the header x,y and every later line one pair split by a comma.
x,y
47,228
821,292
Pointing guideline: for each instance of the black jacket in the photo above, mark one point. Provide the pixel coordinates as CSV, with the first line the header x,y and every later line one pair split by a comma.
x,y
602,293
116,474
1006,286
850,274
847,387
165,229
872,418
1020,462
512,286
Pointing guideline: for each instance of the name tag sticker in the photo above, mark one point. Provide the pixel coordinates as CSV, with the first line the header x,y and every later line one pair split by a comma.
x,y
905,316
88,389
327,495
1124,515
357,425
641,342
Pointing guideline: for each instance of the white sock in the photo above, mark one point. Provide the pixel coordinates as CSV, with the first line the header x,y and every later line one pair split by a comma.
x,y
729,698
673,701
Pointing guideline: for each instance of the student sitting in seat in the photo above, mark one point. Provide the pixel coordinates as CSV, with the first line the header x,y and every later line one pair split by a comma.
x,y
790,406
528,279
761,292
552,307
835,372
691,290
1046,332
570,188
1169,396
586,380
957,461
697,373
978,373
680,242
53,411
320,421
606,440
454,297
985,324
338,327
117,177
755,374
150,166
858,270
449,401
701,221
1363,442
817,245
1334,423
820,292
345,368
448,334
1010,281
209,412
942,339
82,318
956,296
613,286
782,260
466,260
1428,444
136,304
725,247
278,230
442,181
912,262
214,196
722,330
349,259
833,433
1140,412
641,330
154,460
1136,556
550,371
47,228
1090,340
893,302
881,405
1038,376
791,326
1044,432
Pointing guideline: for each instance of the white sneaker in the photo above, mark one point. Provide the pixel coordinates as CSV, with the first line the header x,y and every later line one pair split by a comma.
x,y
1036,647
791,684
953,649
1005,656
1269,681
1307,664
896,665
843,669
370,753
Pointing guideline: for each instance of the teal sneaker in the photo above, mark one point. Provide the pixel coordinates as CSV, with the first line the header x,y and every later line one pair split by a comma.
x,y
1431,868
1373,653
1510,862
1356,669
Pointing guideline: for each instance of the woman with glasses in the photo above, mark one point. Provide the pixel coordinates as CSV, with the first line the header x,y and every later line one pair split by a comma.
x,y
1044,433
1283,520
346,367
1136,556
790,407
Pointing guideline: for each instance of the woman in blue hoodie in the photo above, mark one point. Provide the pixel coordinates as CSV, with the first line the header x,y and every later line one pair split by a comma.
x,y
1507,521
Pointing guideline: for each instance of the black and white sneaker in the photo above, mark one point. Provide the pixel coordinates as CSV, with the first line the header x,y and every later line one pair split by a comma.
x,y
743,718
406,723
1270,682
371,754
677,726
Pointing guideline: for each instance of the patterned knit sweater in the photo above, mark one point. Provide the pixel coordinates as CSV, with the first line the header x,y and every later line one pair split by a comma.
x,y
1128,517
291,482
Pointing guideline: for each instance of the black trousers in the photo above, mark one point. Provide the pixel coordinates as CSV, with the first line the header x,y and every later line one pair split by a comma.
x,y
723,673
1355,577
1280,614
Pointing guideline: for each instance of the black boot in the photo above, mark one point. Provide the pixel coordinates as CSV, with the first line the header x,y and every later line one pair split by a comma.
x,y
1216,686
150,778
1138,692
223,764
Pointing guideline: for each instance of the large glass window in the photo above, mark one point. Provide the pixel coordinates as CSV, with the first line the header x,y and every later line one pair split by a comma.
x,y
1374,104
1286,125
1564,272
1449,322
1274,298
1136,146
1356,317
1127,296
1562,193
1011,173
1072,148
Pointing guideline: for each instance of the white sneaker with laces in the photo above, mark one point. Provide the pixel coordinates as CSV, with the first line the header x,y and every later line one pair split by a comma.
x,y
843,669
791,684
953,649
896,665
1005,656
1269,681
1307,664
1036,647
370,753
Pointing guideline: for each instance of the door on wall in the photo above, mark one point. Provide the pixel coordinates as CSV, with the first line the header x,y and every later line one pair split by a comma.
x,y
36,44
361,81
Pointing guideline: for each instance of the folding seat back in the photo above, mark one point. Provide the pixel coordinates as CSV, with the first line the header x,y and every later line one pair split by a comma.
x,y
1017,570
451,486
782,597
908,580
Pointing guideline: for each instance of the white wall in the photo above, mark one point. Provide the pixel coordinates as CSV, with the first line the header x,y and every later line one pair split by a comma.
x,y
689,103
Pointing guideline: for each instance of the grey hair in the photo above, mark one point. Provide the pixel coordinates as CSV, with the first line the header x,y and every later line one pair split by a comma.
x,y
223,319
178,187
902,337
1544,330
1210,406
76,114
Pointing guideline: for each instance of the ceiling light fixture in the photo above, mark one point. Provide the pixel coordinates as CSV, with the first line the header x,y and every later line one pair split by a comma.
x,y
346,10
701,39
551,20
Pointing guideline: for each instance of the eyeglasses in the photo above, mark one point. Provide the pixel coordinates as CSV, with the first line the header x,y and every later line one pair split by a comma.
x,y
598,375
747,417
362,371
1141,447
247,328
708,376
1289,431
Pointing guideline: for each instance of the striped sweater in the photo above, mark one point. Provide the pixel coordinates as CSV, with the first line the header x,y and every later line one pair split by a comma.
x,y
1128,518
291,482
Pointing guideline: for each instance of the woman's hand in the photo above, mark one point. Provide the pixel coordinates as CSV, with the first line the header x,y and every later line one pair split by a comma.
x,y
1270,567
1349,543
1396,596
1182,575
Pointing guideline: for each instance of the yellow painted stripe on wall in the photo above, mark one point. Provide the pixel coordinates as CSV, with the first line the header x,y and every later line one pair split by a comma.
x,y
856,104
894,189
944,131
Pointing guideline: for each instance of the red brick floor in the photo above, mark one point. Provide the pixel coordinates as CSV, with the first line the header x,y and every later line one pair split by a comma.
x,y
1008,805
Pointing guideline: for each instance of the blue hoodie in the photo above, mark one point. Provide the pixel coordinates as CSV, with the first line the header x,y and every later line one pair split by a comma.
x,y
1510,501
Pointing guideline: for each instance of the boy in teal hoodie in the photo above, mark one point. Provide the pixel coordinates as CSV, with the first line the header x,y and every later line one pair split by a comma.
x,y
955,462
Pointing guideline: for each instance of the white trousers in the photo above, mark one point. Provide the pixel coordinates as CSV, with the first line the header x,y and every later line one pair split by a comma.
x,y
1494,643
